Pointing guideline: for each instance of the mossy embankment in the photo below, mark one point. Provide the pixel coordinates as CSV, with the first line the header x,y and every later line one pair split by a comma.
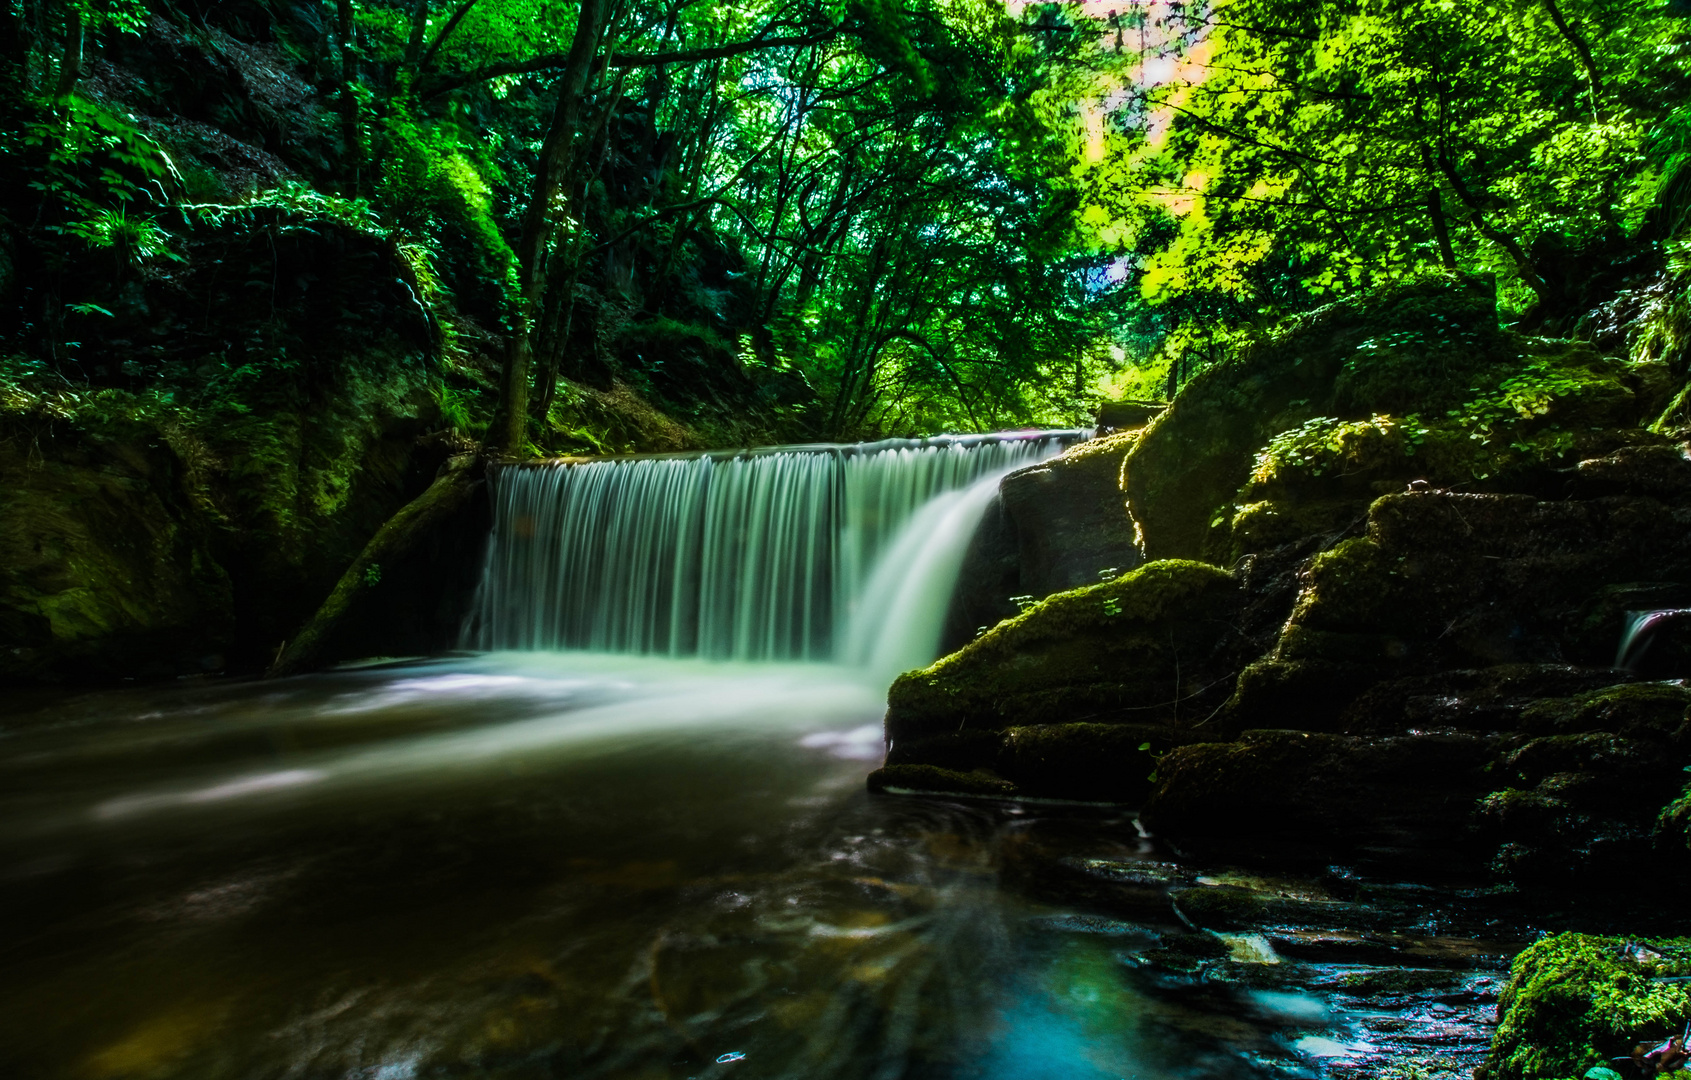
x,y
1393,546
186,509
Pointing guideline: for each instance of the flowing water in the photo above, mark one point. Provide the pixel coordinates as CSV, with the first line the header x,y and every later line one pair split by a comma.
x,y
567,865
1637,635
554,863
813,552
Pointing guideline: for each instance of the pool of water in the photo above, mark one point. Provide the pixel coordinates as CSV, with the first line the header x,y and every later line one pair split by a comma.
x,y
563,866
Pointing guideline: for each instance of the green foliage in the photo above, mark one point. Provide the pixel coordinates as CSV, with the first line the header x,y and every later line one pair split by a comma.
x,y
435,189
135,239
1298,151
291,205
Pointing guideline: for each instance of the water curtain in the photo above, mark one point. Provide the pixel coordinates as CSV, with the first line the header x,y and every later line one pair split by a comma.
x,y
828,552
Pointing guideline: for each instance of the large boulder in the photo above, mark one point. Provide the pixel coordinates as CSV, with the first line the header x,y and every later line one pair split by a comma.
x,y
1393,799
1348,360
1411,383
1053,526
1143,647
1069,698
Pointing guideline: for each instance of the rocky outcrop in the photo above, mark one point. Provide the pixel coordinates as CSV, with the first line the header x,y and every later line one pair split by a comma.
x,y
1416,540
1075,685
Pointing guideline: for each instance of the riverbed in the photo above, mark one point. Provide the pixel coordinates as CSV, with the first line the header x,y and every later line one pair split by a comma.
x,y
550,865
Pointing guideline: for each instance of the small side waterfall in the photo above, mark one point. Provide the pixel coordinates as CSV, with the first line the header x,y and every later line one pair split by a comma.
x,y
844,553
1640,629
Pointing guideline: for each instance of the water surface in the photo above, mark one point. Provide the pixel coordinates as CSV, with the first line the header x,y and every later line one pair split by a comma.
x,y
550,865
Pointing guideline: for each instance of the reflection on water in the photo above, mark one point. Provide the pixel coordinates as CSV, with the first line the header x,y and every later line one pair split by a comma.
x,y
549,866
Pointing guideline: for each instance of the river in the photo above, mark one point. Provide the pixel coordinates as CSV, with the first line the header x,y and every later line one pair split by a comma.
x,y
549,865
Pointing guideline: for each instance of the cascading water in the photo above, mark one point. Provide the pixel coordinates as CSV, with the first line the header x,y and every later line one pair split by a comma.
x,y
1638,634
844,553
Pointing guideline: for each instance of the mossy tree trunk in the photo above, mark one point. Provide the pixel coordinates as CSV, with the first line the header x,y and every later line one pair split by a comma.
x,y
452,488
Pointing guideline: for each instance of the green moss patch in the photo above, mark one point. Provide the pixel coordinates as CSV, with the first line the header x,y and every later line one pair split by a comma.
x,y
1575,1001
1114,649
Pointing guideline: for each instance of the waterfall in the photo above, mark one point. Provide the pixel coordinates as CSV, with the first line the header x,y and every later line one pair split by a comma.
x,y
1637,635
829,552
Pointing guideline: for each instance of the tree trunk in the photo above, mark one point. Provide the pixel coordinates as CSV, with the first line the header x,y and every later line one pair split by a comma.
x,y
1523,262
70,63
508,432
1441,228
451,490
353,148
1573,38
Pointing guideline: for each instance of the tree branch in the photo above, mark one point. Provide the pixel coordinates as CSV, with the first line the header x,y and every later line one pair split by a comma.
x,y
1580,47
556,61
445,32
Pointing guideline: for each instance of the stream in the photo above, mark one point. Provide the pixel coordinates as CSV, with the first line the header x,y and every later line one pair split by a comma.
x,y
522,865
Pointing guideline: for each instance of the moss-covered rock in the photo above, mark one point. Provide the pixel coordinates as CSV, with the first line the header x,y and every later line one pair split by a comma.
x,y
1475,580
106,569
1654,711
1499,698
192,523
1146,647
1413,383
1083,761
1183,476
1575,1001
1098,762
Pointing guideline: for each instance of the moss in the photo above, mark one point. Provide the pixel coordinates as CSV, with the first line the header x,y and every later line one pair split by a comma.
x,y
1477,580
1347,792
1194,458
1655,708
1295,436
1283,692
1349,587
1111,648
1672,828
1602,753
1574,1001
932,778
240,482
439,189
